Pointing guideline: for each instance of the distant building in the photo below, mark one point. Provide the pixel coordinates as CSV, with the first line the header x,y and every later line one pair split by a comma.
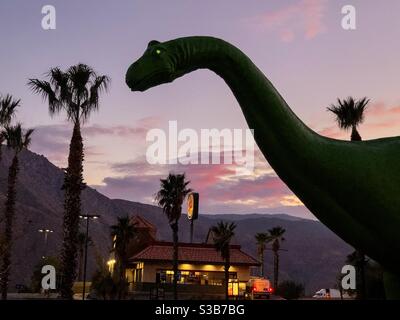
x,y
201,268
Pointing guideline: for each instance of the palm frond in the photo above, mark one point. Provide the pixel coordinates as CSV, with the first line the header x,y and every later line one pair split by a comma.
x,y
349,112
98,85
261,237
8,106
27,139
16,137
222,234
73,112
76,90
44,89
122,233
79,75
60,81
173,191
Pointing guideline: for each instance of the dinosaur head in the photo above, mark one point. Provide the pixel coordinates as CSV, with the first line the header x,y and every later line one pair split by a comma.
x,y
156,66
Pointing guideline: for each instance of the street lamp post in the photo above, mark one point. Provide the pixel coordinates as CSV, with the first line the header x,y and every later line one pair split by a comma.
x,y
86,217
45,232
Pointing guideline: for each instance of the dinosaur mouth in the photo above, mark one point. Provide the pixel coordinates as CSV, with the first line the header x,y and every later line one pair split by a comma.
x,y
152,80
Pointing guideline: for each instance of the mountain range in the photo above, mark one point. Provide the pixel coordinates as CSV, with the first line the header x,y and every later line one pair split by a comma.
x,y
314,254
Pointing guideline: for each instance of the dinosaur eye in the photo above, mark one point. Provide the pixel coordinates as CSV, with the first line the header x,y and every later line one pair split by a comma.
x,y
158,51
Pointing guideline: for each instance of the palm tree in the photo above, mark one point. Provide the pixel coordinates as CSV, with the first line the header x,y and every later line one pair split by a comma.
x,y
349,114
77,92
123,232
170,197
359,261
81,250
17,139
276,237
222,234
8,106
261,239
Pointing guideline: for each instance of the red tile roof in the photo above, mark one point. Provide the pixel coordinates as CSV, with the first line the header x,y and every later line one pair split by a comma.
x,y
141,222
192,253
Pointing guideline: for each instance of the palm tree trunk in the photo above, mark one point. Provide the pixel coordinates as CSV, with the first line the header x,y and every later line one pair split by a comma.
x,y
360,267
121,284
73,186
262,262
9,218
1,148
355,136
174,227
276,269
226,269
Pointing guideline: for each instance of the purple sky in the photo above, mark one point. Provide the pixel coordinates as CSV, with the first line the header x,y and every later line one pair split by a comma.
x,y
298,44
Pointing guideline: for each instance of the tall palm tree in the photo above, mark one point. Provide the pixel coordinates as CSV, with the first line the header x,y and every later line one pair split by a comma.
x,y
172,193
349,114
8,106
122,233
81,250
17,139
222,234
359,261
75,91
276,237
261,239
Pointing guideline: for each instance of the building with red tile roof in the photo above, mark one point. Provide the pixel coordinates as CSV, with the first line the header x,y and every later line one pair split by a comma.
x,y
201,267
162,251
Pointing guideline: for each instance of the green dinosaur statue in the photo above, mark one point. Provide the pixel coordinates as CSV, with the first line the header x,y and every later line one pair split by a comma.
x,y
351,187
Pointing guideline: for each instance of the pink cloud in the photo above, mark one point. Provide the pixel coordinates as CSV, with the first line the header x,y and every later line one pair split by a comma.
x,y
304,17
281,16
314,11
141,127
220,189
394,110
287,35
332,132
376,109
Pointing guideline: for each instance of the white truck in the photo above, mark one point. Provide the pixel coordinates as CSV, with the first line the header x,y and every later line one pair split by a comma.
x,y
330,294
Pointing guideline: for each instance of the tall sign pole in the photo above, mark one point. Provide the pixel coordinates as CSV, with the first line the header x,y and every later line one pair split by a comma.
x,y
192,211
191,230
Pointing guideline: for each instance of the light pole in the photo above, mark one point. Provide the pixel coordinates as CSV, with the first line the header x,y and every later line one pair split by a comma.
x,y
86,217
45,232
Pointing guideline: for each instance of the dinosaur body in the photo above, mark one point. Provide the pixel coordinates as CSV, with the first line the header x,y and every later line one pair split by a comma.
x,y
352,187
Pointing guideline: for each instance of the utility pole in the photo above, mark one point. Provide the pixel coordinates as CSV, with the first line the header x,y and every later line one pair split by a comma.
x,y
86,217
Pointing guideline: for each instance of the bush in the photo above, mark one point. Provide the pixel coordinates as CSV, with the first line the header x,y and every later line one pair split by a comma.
x,y
290,290
36,279
103,285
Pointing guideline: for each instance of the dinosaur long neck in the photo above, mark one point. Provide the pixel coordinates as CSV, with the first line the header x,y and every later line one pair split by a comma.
x,y
263,107
333,178
291,148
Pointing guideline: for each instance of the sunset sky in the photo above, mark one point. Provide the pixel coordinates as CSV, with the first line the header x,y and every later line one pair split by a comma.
x,y
299,45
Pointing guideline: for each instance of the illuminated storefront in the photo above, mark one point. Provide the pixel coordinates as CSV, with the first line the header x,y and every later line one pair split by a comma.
x,y
201,267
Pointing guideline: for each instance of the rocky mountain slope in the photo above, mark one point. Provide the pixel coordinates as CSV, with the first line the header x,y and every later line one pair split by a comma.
x,y
314,254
